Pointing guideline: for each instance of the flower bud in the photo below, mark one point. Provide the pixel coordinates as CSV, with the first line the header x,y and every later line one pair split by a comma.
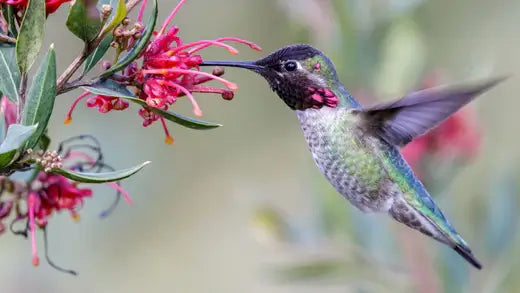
x,y
106,10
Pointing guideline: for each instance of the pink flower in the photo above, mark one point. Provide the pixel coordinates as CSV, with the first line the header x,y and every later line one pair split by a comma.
x,y
56,193
8,108
49,194
50,5
169,70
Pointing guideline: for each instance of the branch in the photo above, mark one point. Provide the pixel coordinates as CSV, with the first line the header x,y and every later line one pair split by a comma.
x,y
62,83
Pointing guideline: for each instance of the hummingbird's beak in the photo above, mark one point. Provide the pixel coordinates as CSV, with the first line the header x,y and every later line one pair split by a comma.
x,y
240,64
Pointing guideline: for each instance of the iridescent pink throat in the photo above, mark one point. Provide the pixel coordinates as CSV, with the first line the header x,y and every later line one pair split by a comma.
x,y
318,97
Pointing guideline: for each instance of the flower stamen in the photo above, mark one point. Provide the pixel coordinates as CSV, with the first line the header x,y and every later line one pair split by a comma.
x,y
196,109
141,11
68,119
170,17
118,188
169,138
232,39
31,205
205,43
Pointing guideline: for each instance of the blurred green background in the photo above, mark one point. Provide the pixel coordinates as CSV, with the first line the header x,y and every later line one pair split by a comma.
x,y
244,209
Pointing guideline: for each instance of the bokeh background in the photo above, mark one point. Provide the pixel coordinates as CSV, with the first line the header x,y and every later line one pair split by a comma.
x,y
244,209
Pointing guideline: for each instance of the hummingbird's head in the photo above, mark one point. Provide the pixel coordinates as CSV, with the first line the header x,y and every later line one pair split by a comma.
x,y
301,75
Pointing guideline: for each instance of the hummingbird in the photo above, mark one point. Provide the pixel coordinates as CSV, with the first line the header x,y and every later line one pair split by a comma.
x,y
357,148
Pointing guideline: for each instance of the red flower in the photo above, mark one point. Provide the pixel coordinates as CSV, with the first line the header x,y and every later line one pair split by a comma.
x,y
56,193
50,193
169,70
50,5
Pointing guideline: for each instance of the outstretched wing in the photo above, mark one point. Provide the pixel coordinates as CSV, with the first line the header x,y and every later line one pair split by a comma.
x,y
399,122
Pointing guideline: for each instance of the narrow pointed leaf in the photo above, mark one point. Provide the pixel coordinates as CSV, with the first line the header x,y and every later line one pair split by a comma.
x,y
112,89
109,88
9,74
83,20
176,117
12,145
98,53
40,99
31,34
139,46
119,15
10,19
100,177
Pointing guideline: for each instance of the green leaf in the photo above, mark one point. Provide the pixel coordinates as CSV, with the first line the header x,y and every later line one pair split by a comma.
x,y
176,117
44,142
9,74
98,53
11,20
112,89
99,177
40,99
83,20
139,46
119,15
16,136
109,88
31,35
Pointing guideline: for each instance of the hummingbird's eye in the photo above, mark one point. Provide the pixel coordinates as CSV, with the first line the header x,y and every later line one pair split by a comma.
x,y
290,66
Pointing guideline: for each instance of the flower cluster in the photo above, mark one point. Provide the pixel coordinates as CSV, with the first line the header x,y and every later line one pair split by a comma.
x,y
50,5
168,69
47,193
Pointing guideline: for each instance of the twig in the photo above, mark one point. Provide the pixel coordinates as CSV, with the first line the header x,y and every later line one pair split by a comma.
x,y
73,67
75,84
21,101
62,83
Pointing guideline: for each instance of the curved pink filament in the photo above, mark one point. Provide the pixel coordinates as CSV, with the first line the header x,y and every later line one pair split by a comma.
x,y
205,43
196,109
69,114
80,155
170,17
232,39
141,11
31,204
125,194
169,138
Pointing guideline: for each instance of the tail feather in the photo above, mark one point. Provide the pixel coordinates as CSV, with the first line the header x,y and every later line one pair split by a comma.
x,y
406,214
466,253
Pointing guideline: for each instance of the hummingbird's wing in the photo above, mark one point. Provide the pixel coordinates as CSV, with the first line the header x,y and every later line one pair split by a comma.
x,y
399,122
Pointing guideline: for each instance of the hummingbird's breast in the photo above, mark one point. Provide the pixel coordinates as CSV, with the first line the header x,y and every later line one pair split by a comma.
x,y
348,159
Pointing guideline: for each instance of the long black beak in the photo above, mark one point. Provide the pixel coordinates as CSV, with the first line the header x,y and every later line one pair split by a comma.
x,y
240,64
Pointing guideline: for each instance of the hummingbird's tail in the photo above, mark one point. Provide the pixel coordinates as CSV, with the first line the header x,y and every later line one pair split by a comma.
x,y
436,227
466,253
